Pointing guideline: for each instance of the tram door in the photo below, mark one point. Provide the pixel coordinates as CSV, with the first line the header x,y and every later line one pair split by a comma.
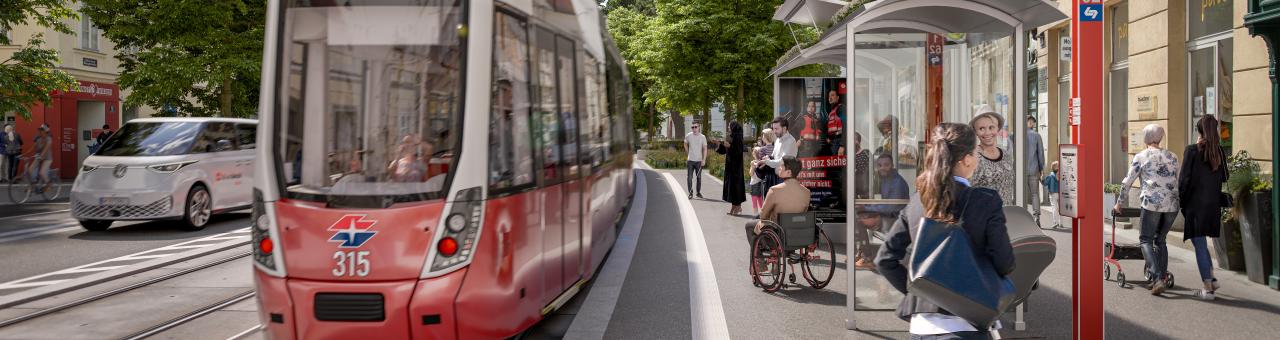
x,y
574,183
556,128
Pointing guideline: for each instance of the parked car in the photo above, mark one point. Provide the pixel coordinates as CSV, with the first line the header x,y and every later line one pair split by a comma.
x,y
184,169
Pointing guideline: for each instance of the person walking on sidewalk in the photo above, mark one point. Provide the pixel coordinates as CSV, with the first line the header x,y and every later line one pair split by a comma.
x,y
1157,170
946,196
1200,184
1051,187
11,152
1035,165
696,145
783,146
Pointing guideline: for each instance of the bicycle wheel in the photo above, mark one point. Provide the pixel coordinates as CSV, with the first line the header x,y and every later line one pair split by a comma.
x,y
767,266
819,261
20,191
55,188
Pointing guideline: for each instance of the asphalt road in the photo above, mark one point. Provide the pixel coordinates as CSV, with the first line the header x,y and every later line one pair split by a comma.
x,y
36,244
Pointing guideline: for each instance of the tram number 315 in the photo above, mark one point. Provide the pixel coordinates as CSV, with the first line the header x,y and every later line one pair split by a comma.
x,y
351,263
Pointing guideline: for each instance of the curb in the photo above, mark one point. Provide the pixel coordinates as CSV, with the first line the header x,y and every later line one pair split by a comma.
x,y
90,280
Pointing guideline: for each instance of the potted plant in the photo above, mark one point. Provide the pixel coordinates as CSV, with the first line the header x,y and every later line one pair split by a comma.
x,y
1252,211
1110,193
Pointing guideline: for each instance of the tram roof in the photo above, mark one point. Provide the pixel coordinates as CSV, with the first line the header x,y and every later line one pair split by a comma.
x,y
990,19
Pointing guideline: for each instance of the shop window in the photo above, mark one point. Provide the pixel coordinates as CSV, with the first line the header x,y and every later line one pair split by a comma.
x,y
1210,92
1208,17
1120,33
1118,108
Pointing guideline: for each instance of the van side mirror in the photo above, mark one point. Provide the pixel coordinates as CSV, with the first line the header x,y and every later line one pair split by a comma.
x,y
224,145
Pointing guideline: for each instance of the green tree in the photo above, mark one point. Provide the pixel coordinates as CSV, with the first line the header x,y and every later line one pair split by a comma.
x,y
201,58
690,54
30,76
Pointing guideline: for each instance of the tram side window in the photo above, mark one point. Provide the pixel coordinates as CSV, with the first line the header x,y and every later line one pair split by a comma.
x,y
510,141
596,131
568,108
546,120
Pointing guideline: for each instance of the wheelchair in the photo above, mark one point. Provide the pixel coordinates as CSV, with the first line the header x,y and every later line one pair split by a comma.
x,y
794,239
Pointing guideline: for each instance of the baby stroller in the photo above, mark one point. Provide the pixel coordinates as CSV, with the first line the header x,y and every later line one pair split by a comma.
x,y
1116,252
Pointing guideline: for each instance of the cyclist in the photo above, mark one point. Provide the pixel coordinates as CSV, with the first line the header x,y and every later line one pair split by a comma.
x,y
43,158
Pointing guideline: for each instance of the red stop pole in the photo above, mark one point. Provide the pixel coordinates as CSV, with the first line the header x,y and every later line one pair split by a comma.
x,y
1086,237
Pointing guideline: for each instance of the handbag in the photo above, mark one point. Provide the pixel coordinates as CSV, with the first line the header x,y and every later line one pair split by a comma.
x,y
945,272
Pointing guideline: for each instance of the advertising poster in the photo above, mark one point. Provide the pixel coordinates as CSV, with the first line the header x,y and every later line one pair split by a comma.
x,y
816,112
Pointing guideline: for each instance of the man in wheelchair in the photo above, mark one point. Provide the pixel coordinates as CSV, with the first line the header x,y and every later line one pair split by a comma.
x,y
787,197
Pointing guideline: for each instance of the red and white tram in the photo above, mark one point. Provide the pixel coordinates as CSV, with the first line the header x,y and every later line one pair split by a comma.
x,y
434,169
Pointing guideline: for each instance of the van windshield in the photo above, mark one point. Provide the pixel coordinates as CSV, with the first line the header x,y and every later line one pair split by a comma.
x,y
151,139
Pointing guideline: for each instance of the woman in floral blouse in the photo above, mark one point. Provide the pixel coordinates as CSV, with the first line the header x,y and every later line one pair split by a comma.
x,y
995,166
1158,170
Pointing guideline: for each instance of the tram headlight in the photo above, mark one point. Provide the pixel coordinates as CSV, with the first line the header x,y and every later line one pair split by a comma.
x,y
456,223
460,234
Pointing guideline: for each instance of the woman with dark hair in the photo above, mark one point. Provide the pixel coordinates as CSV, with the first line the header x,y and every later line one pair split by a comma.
x,y
1200,193
734,185
946,196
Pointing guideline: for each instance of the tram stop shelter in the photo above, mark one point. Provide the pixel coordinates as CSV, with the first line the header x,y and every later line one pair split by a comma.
x,y
907,66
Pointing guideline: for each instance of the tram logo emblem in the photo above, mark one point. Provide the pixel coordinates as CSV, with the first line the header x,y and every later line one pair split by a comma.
x,y
352,231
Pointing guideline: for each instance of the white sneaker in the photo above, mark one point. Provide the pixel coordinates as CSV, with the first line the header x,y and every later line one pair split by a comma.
x,y
1205,295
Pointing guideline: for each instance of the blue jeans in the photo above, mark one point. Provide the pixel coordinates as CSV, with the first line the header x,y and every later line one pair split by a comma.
x,y
1155,226
694,172
1203,261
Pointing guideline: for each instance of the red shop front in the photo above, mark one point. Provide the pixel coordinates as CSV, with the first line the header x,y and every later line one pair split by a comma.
x,y
75,118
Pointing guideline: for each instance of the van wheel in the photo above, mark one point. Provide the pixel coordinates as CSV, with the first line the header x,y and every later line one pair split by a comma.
x,y
198,210
95,225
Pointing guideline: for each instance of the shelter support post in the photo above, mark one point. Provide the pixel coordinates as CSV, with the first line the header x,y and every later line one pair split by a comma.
x,y
851,74
1017,123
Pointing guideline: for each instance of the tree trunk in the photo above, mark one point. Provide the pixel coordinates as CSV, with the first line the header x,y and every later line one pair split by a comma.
x,y
226,97
653,122
741,106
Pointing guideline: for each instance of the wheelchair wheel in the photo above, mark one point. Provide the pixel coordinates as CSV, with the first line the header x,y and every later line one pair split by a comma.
x,y
767,266
819,261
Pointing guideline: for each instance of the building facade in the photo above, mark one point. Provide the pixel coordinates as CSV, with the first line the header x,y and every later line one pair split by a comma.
x,y
74,117
1169,62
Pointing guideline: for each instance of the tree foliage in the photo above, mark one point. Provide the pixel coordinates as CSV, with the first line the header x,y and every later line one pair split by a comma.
x,y
688,54
201,58
30,76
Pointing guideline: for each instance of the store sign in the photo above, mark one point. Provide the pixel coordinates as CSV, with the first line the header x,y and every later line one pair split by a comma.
x,y
93,89
1146,107
1064,50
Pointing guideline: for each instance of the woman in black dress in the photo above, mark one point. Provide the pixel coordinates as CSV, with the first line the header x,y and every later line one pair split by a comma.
x,y
1200,192
734,186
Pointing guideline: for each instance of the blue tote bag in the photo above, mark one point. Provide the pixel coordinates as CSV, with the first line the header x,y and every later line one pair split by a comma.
x,y
945,272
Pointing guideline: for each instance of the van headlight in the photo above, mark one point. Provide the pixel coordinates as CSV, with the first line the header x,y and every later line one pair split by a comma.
x,y
169,167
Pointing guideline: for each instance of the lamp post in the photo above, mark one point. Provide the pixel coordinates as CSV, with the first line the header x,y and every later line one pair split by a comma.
x,y
1263,19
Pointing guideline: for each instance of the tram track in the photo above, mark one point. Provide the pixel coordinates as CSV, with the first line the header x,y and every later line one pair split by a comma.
x,y
127,288
196,314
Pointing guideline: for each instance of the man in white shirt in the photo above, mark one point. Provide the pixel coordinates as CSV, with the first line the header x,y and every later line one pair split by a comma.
x,y
784,146
696,144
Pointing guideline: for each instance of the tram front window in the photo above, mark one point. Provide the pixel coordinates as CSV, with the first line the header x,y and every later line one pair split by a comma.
x,y
370,99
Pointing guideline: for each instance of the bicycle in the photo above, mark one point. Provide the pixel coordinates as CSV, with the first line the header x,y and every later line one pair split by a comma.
x,y
26,183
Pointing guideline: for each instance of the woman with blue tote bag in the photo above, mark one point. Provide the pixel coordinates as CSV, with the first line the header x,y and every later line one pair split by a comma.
x,y
959,232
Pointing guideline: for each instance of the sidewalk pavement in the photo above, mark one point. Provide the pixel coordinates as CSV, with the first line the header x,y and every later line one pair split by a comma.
x,y
1243,309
